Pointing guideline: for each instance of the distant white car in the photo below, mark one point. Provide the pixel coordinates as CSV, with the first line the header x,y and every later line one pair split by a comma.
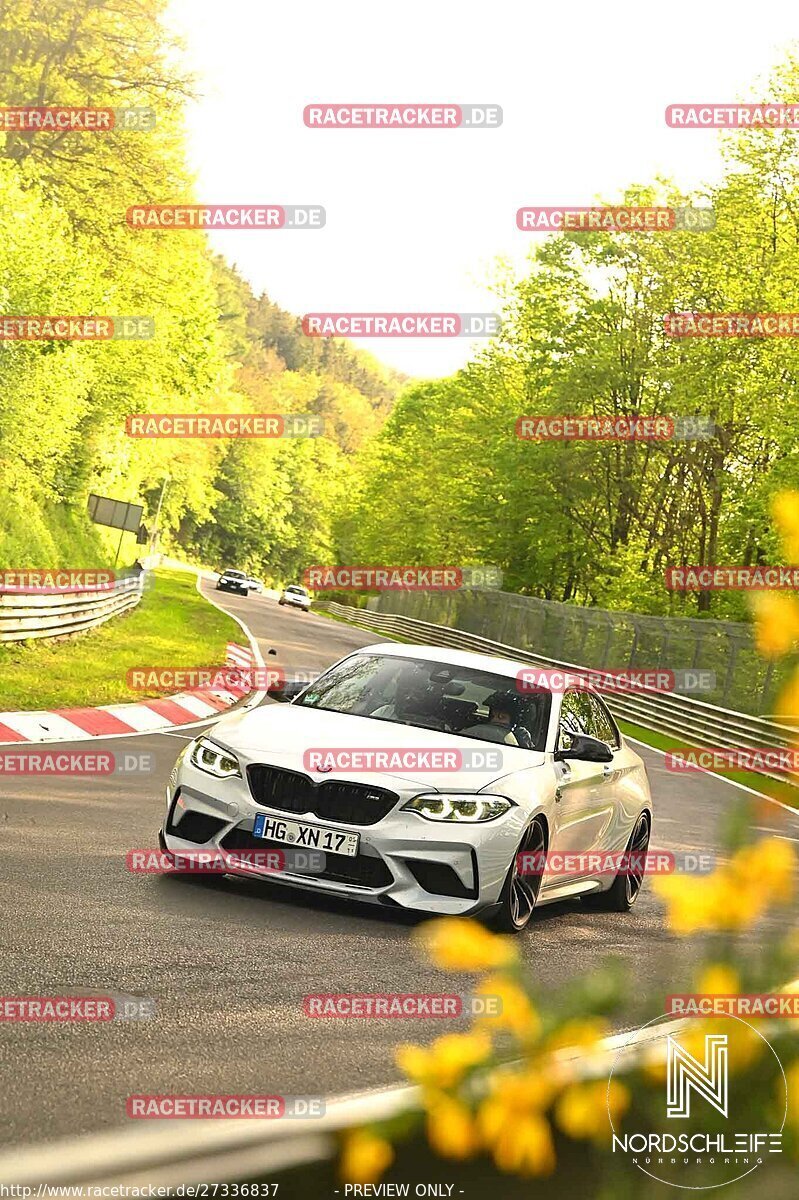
x,y
255,585
296,596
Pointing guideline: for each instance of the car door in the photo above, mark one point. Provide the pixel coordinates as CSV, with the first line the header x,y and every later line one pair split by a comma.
x,y
611,785
622,778
584,802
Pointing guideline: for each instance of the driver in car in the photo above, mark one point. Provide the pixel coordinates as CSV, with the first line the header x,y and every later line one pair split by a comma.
x,y
501,726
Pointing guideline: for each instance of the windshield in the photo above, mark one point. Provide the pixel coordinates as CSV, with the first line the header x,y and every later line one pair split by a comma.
x,y
433,695
235,574
300,591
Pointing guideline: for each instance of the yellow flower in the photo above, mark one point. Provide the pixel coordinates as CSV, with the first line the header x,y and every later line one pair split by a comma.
x,y
525,1146
776,623
692,903
451,1128
459,944
772,861
787,704
522,1090
516,1101
582,1109
718,979
735,895
443,1064
785,509
364,1157
518,1013
580,1033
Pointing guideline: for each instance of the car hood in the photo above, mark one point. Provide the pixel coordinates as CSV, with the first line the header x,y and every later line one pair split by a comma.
x,y
281,733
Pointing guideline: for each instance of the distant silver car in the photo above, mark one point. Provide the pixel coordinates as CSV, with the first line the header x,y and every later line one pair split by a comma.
x,y
296,596
485,776
255,585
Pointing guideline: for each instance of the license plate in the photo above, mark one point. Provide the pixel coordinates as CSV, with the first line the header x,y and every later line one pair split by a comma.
x,y
312,837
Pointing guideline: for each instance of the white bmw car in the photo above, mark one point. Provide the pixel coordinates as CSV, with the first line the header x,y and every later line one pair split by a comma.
x,y
296,597
498,777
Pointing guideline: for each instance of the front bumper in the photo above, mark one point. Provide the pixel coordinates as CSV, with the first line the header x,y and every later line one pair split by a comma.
x,y
404,860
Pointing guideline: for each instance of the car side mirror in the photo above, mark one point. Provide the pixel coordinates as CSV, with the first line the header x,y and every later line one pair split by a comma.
x,y
284,693
585,749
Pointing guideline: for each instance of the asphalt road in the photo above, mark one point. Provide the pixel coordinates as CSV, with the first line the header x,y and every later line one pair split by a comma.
x,y
227,964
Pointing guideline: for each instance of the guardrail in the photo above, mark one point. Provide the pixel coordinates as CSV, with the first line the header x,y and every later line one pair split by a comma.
x,y
184,1152
28,615
660,711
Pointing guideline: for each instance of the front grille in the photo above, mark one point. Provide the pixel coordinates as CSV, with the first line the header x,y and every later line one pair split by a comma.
x,y
363,870
290,791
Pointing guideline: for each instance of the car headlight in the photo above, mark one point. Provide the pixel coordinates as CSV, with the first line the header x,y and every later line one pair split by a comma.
x,y
213,759
440,806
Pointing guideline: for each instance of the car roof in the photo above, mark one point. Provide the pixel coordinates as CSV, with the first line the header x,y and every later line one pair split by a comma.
x,y
456,658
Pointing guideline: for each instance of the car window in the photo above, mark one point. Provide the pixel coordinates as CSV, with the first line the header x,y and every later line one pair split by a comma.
x,y
576,716
607,730
463,701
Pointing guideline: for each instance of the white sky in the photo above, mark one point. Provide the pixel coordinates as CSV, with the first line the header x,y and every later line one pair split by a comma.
x,y
416,219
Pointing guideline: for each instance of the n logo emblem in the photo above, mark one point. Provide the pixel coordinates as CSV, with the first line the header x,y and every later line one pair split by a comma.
x,y
708,1079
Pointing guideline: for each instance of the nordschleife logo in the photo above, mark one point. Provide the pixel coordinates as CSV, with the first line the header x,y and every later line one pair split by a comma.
x,y
696,1121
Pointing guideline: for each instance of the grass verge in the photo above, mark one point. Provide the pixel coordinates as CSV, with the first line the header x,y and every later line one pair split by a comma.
x,y
784,792
173,626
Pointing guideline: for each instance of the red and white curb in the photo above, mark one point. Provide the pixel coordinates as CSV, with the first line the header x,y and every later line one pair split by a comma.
x,y
145,716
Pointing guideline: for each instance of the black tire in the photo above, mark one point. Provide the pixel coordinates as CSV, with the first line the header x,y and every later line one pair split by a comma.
x,y
625,889
520,892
